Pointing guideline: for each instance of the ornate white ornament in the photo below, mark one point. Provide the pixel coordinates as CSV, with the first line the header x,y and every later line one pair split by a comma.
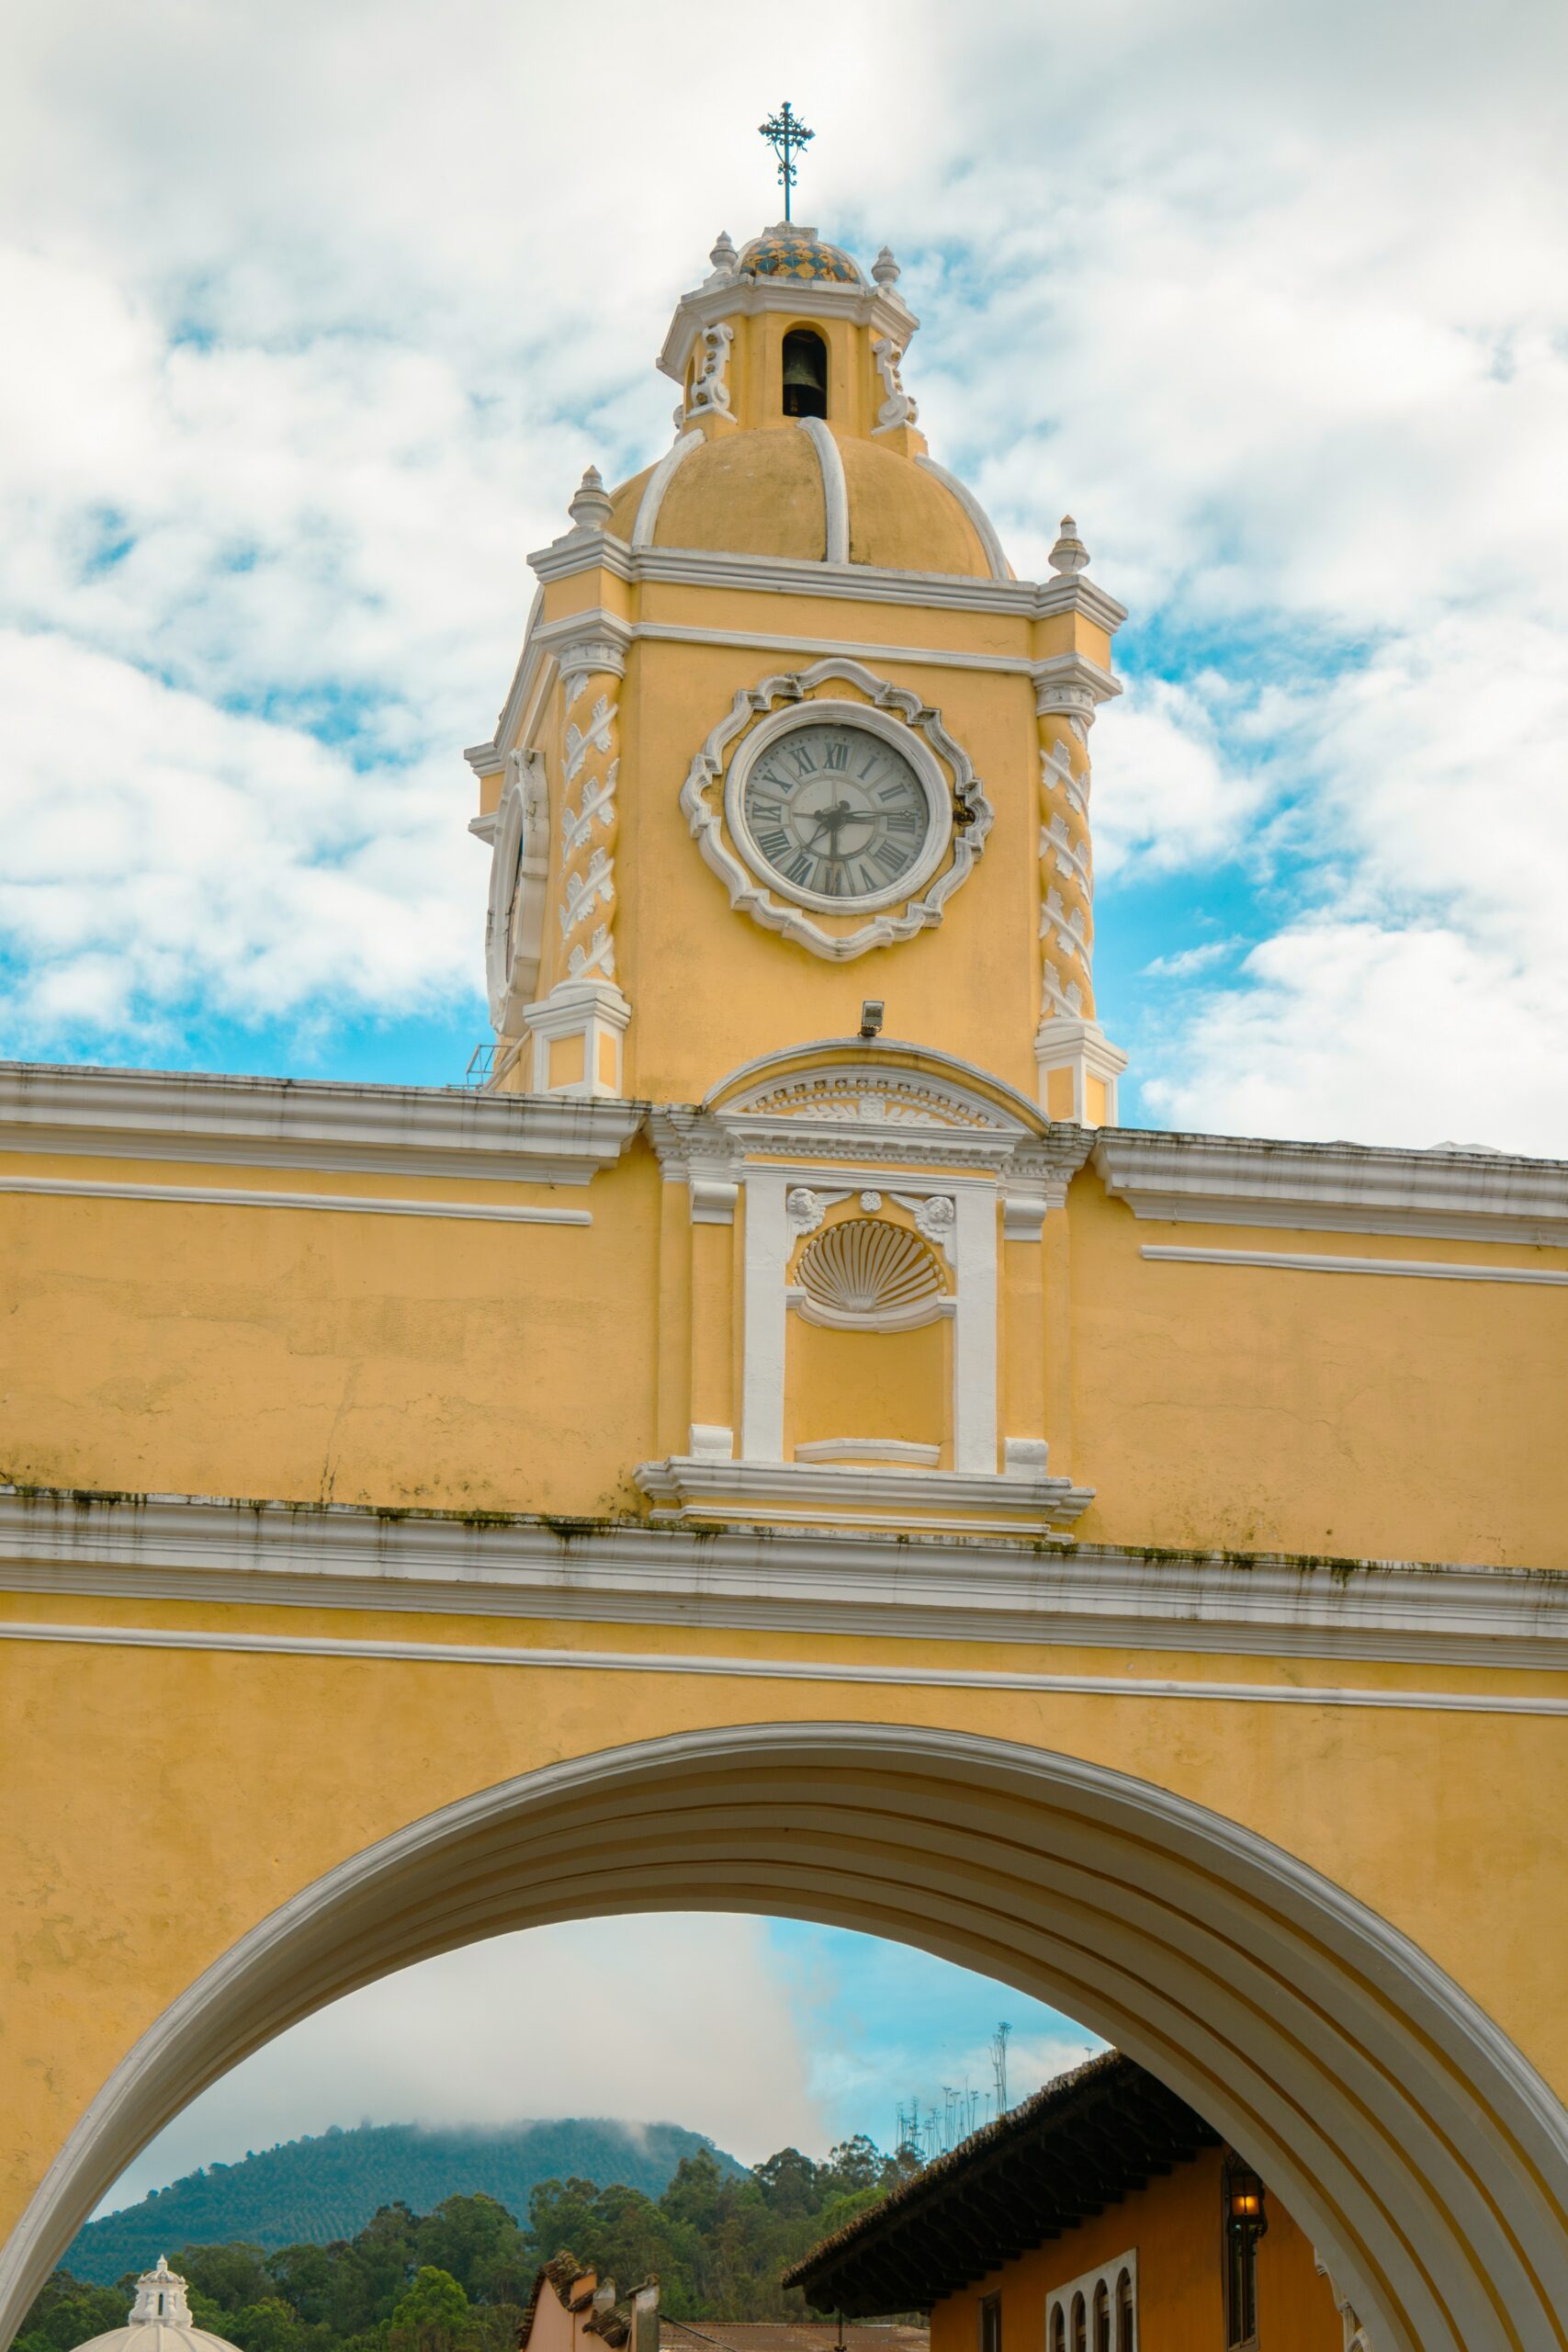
x,y
594,885
898,408
935,1216
869,1274
806,1209
886,270
723,257
596,736
900,718
891,1102
870,1203
710,394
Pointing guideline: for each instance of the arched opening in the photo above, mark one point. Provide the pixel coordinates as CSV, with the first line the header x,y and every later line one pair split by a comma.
x,y
1058,2329
1080,2331
1427,2159
1101,2318
805,373
1126,2338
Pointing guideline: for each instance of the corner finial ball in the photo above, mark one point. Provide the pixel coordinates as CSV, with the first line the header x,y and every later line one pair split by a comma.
x,y
1069,555
589,509
885,269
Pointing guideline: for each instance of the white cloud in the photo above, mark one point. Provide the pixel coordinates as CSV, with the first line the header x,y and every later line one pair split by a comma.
x,y
322,318
680,2019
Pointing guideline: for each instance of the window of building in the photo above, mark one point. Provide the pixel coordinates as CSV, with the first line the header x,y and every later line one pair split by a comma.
x,y
805,373
990,2323
1245,2224
1097,2312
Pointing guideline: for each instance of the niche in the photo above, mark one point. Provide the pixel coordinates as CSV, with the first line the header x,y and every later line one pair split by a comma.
x,y
805,373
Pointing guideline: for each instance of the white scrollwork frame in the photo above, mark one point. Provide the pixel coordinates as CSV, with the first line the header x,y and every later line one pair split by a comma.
x,y
704,809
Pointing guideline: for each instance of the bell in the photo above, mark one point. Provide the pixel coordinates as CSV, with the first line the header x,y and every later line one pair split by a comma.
x,y
801,371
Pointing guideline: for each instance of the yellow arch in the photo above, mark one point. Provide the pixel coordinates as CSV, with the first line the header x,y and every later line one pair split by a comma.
x,y
1428,2157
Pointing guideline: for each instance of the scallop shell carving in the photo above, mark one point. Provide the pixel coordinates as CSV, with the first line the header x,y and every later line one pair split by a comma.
x,y
865,1269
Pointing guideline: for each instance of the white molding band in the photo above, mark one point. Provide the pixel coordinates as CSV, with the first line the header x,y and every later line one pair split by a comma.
x,y
835,488
789,575
1333,1187
785,1669
310,1124
341,1203
1297,1262
915,1586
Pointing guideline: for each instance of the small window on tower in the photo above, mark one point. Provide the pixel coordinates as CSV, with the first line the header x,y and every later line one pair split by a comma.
x,y
805,373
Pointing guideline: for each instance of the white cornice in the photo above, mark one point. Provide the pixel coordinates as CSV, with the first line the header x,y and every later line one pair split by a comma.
x,y
1335,1187
782,575
278,1122
702,1488
914,1587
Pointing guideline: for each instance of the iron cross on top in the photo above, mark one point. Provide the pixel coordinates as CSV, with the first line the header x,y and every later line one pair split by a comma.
x,y
786,134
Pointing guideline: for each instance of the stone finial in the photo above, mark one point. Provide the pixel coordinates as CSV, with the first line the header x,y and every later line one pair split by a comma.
x,y
1070,554
723,256
886,270
589,510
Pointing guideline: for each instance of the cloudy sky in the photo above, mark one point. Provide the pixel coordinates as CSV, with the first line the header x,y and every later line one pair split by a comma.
x,y
316,309
761,2032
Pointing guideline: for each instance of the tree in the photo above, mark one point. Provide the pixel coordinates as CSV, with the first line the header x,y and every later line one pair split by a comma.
x,y
434,2313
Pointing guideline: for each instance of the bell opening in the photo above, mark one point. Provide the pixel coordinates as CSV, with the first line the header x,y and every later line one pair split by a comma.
x,y
805,373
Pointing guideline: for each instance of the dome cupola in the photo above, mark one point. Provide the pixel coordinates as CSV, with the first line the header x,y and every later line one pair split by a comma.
x,y
794,435
791,250
159,2320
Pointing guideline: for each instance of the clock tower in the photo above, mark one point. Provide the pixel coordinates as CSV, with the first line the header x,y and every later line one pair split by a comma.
x,y
788,734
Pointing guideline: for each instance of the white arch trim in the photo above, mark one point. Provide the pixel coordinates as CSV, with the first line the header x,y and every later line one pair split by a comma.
x,y
658,483
1428,2158
984,529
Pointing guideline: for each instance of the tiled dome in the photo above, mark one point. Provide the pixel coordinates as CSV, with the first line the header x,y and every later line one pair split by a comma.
x,y
791,251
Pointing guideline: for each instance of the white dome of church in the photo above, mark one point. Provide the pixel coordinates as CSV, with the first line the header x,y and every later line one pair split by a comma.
x,y
159,2321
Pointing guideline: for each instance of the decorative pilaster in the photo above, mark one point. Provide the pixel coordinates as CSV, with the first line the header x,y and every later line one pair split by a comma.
x,y
1078,1066
578,1028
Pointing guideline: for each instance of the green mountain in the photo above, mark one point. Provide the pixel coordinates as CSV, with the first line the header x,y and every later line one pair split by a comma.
x,y
313,2190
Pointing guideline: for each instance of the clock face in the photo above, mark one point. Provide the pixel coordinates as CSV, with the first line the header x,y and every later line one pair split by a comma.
x,y
836,815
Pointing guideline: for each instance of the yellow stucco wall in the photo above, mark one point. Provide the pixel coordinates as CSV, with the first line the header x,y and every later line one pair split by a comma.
x,y
163,1347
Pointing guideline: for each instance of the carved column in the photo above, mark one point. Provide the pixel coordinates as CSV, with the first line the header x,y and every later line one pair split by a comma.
x,y
1079,1066
578,1027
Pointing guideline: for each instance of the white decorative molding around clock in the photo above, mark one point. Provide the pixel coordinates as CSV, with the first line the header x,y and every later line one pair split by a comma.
x,y
903,721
